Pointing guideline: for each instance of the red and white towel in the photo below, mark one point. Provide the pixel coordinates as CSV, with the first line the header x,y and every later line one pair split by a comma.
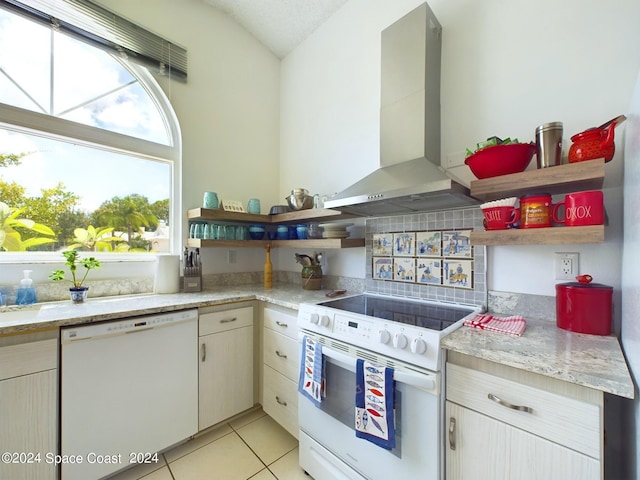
x,y
514,325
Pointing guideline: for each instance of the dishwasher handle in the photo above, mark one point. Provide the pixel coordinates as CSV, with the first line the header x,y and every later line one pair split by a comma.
x,y
123,326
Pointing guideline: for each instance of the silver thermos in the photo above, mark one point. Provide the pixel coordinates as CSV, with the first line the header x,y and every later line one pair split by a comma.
x,y
549,144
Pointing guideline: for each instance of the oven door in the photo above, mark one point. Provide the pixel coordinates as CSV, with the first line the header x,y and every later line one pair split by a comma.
x,y
329,448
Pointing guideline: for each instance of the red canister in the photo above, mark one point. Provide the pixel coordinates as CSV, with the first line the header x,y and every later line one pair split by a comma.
x,y
535,211
584,307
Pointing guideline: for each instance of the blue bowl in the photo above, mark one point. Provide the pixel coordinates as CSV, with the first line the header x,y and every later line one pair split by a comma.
x,y
301,231
256,235
283,232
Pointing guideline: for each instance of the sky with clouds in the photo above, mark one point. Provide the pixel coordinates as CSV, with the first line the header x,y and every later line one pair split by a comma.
x,y
91,88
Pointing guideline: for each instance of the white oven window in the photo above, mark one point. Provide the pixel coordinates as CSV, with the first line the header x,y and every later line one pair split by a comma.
x,y
339,402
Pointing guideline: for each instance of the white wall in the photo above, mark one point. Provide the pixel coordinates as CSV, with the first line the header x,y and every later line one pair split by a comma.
x,y
229,107
507,67
631,256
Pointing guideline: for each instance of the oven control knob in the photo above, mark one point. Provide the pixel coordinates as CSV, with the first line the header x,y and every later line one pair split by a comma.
x,y
324,321
400,341
418,346
384,336
314,318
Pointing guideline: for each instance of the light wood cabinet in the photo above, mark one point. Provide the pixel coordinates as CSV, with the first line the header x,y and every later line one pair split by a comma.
x,y
301,216
225,376
28,413
503,423
568,178
490,449
281,360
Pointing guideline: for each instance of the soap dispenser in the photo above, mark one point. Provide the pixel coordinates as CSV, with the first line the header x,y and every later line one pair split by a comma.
x,y
26,293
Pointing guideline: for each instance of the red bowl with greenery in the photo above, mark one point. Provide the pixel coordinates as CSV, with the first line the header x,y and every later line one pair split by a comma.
x,y
501,159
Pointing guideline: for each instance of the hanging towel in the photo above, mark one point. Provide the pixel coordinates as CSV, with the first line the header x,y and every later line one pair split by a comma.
x,y
375,414
514,325
311,383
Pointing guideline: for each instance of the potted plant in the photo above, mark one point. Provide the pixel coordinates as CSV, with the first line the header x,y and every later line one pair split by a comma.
x,y
78,291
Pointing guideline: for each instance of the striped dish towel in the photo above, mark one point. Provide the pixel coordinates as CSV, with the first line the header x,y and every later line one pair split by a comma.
x,y
513,325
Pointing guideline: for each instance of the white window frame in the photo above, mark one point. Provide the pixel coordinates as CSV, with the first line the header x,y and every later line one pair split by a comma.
x,y
35,123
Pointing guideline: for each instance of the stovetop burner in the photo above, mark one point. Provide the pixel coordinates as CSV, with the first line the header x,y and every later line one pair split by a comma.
x,y
433,316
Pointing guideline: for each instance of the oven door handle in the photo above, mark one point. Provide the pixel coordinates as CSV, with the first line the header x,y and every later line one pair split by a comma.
x,y
423,380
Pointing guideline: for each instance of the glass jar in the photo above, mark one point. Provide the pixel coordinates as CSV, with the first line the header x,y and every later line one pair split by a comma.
x,y
314,230
535,211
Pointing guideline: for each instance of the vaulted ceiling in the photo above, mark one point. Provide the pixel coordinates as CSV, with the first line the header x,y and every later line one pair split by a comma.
x,y
281,25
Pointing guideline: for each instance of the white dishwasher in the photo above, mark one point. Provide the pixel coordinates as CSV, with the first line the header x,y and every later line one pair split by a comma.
x,y
128,389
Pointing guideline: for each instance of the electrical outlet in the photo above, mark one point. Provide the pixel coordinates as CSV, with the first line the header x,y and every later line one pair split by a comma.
x,y
566,265
232,256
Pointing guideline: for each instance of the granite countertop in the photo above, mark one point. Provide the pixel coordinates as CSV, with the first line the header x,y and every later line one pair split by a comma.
x,y
58,314
589,360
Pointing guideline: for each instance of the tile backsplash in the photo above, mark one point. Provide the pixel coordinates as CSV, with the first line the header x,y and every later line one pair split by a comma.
x,y
468,287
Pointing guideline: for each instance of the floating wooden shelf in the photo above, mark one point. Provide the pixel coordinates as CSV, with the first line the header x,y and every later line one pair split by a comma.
x,y
206,243
321,243
537,236
309,215
300,216
572,177
315,243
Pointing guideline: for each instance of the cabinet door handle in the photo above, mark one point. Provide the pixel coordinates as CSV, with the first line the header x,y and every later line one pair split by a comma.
x,y
281,355
203,351
228,320
280,324
452,433
498,400
283,403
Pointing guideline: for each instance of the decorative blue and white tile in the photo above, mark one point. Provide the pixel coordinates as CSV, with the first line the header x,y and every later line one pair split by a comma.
x,y
429,244
382,268
457,273
404,244
382,244
429,271
457,243
404,269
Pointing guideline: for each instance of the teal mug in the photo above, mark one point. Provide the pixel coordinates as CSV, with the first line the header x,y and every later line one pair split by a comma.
x,y
242,232
210,200
253,206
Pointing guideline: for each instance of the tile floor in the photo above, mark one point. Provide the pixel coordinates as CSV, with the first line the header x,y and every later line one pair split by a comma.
x,y
252,446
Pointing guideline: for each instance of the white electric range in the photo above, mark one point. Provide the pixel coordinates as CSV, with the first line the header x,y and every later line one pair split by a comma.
x,y
395,332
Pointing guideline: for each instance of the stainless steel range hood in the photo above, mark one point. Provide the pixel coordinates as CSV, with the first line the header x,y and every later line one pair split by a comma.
x,y
410,178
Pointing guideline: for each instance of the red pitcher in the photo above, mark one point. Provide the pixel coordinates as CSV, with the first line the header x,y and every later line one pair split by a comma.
x,y
595,142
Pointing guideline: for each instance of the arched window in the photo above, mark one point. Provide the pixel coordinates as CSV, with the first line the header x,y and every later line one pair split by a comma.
x,y
89,147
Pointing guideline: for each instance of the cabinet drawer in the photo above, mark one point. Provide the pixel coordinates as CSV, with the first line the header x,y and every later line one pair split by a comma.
x,y
213,322
25,358
565,421
281,322
282,354
280,400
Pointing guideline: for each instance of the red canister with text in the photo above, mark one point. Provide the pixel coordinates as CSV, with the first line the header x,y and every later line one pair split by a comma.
x,y
535,211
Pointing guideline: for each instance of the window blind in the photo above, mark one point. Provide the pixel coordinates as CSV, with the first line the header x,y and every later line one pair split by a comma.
x,y
100,27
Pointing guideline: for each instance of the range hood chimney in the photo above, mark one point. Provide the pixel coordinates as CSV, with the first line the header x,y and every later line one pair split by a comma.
x,y
410,178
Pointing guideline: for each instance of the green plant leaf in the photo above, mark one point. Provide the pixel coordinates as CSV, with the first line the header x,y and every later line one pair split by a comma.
x,y
34,242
